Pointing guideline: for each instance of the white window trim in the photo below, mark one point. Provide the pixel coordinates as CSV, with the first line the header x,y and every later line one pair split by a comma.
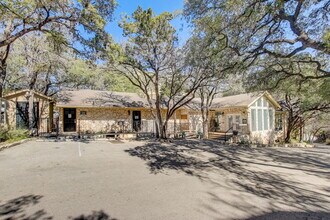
x,y
256,107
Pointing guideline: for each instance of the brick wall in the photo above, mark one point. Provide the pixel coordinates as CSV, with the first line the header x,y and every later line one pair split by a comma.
x,y
43,111
104,120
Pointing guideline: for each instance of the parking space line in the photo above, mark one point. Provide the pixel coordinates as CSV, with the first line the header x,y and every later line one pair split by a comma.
x,y
79,149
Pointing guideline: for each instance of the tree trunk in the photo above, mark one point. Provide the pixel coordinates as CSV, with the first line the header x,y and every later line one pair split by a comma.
x,y
159,118
3,68
33,80
2,79
31,112
3,73
205,118
157,131
287,136
301,130
288,131
164,130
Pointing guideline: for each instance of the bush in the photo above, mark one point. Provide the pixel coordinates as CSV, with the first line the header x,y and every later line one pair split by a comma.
x,y
3,133
12,135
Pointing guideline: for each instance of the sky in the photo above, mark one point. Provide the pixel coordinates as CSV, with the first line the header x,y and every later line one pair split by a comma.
x,y
127,7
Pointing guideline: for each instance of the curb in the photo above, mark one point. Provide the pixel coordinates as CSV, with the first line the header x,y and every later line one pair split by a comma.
x,y
5,146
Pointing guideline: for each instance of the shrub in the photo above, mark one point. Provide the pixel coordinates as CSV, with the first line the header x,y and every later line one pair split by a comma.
x,y
13,135
3,133
18,134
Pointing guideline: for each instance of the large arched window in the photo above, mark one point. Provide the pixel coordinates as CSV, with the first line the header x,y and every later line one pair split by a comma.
x,y
262,115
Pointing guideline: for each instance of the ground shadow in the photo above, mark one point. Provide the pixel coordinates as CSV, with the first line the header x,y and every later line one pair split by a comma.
x,y
292,216
96,215
16,208
189,157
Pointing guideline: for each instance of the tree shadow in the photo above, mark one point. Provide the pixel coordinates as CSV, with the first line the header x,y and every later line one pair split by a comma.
x,y
292,216
96,215
16,208
189,157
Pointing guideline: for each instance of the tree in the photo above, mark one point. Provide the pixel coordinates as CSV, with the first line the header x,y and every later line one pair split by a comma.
x,y
37,65
316,127
78,24
152,61
209,52
302,102
264,33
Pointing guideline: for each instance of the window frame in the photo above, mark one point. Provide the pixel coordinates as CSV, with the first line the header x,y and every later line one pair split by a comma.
x,y
264,107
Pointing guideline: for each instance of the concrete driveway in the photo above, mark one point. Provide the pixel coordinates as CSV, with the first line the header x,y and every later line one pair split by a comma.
x,y
145,180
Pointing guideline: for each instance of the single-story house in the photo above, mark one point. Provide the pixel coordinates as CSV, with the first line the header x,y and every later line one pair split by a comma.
x,y
255,116
93,111
15,110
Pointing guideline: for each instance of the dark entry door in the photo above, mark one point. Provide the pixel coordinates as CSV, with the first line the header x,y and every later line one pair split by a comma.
x,y
136,120
69,120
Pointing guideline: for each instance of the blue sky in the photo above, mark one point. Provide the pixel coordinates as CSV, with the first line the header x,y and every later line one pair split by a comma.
x,y
158,6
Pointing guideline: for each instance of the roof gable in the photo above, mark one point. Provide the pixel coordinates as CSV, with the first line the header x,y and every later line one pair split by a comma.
x,y
242,100
24,92
268,97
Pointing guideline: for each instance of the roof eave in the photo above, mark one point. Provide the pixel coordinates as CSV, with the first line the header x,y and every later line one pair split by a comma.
x,y
16,93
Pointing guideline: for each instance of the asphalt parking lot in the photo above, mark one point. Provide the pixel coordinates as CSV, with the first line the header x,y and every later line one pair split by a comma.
x,y
145,180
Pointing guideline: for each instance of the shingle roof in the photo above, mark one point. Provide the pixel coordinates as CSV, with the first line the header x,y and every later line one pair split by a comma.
x,y
97,98
235,100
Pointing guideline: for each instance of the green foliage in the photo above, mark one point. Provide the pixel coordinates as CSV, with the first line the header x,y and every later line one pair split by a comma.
x,y
12,135
149,49
84,75
326,38
3,133
265,33
66,22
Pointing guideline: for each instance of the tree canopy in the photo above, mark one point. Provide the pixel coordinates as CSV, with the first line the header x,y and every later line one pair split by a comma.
x,y
277,33
76,24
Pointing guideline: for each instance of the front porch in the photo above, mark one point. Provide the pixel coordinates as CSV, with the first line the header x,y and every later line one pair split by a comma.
x,y
227,120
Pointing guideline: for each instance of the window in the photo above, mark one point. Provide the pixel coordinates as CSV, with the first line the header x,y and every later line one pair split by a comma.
x,y
259,102
265,103
262,115
22,115
265,119
2,117
271,118
279,124
184,117
259,119
2,111
253,120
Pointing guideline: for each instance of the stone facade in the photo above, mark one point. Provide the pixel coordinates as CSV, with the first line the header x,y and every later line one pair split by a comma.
x,y
45,107
104,120
95,119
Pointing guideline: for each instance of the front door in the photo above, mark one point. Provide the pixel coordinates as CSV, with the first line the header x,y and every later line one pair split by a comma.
x,y
234,122
69,120
136,120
